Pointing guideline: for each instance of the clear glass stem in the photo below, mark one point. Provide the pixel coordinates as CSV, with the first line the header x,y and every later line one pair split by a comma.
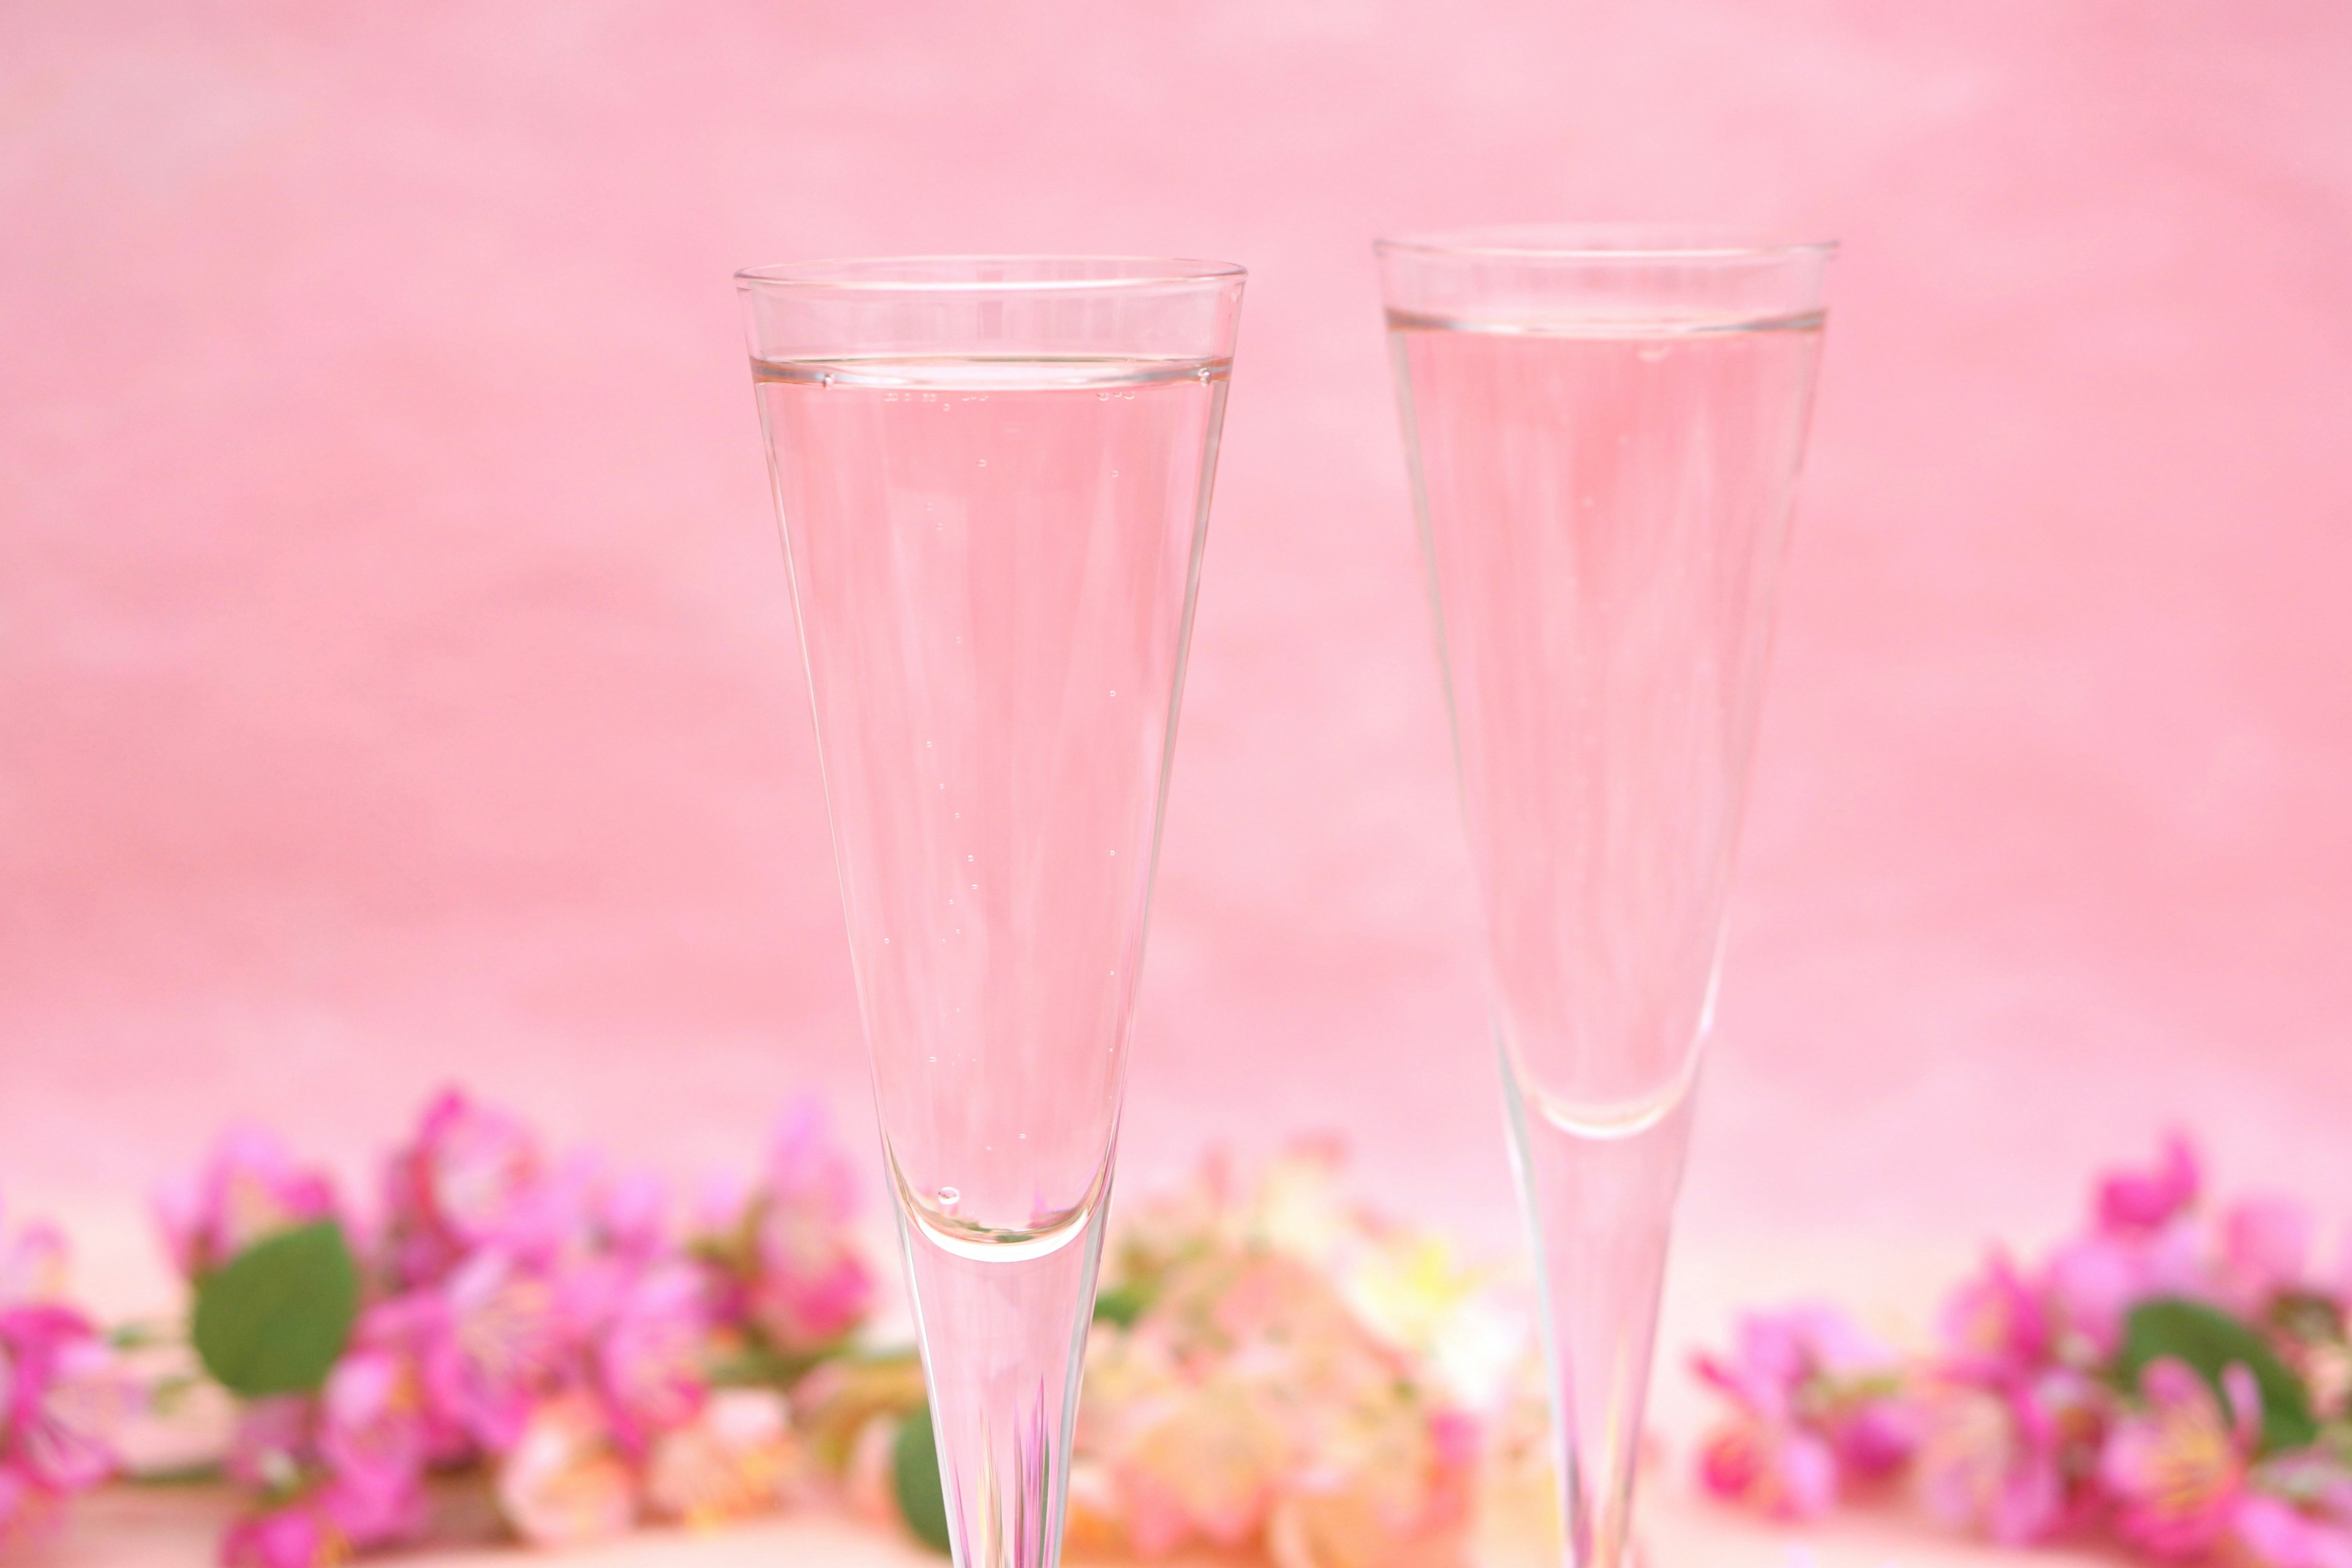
x,y
1005,1333
1600,1206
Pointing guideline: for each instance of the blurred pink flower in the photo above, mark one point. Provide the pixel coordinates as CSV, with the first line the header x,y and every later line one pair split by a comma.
x,y
1994,1325
374,1440
2276,1533
1251,1405
336,1473
498,1344
473,1176
583,1207
33,1259
1995,1455
784,1259
2265,1250
274,1449
2176,1469
1878,1437
1777,1470
322,1527
564,1481
1813,1398
375,1515
1779,1353
1209,1462
2157,1248
412,1332
649,1352
302,1534
63,1399
628,1215
813,1285
733,1460
27,1510
250,1188
2088,1285
70,1402
2136,1201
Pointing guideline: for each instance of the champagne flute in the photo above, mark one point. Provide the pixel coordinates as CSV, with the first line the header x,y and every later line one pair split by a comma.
x,y
993,477
1604,429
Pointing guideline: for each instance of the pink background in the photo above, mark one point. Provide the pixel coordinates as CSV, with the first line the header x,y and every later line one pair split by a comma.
x,y
396,672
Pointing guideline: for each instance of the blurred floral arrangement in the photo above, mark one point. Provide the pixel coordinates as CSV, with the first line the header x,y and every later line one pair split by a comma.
x,y
510,1343
2174,1375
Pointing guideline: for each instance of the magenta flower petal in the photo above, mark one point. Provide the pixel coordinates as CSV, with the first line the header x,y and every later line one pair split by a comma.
x,y
470,1178
1995,1325
2147,1200
66,1398
810,1284
1877,1439
1775,1469
373,1514
251,1187
33,1261
416,1331
27,1510
300,1535
649,1355
374,1440
275,1443
500,1346
2277,1534
2176,1467
1991,1458
2088,1285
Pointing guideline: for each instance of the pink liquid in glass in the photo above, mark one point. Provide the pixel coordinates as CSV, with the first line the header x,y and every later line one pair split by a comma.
x,y
1604,512
994,562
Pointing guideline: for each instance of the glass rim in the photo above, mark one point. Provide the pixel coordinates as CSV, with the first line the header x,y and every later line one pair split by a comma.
x,y
1604,243
890,274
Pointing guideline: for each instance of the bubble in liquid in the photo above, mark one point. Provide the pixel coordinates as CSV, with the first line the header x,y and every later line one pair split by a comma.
x,y
948,1198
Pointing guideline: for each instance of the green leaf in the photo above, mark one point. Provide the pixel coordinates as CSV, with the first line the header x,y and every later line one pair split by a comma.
x,y
1122,1304
2209,1340
915,1479
274,1318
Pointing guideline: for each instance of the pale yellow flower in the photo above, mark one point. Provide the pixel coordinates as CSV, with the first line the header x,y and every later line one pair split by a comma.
x,y
1515,1514
1210,1466
1298,1209
736,1459
564,1482
1093,1524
